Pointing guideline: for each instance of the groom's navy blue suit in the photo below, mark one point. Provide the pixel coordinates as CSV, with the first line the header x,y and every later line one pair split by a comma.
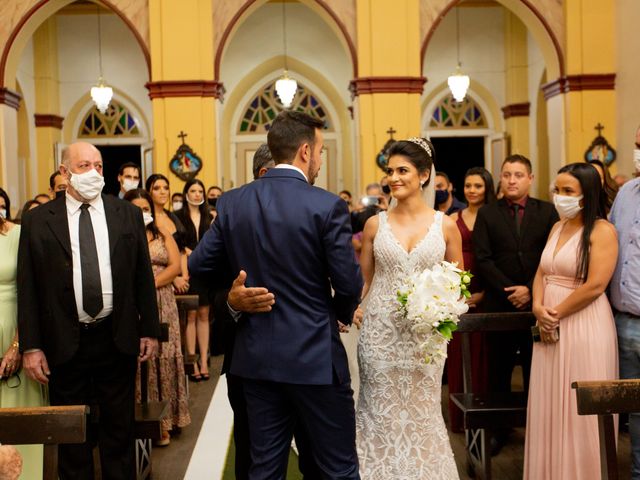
x,y
295,240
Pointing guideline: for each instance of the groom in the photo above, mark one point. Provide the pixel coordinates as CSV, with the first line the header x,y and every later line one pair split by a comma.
x,y
295,240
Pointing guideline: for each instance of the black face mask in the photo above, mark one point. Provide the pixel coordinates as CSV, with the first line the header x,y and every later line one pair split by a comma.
x,y
212,201
60,193
386,189
441,196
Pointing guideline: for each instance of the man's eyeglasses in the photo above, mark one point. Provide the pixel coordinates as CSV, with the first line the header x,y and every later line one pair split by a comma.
x,y
13,380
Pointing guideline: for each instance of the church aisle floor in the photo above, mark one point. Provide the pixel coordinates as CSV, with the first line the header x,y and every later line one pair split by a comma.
x,y
171,463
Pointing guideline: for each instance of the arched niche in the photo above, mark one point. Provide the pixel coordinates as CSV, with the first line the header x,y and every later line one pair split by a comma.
x,y
535,14
23,18
326,12
343,170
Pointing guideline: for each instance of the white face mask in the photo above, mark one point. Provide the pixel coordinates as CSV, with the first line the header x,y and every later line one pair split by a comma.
x,y
194,203
129,184
88,184
147,217
567,206
3,212
636,158
176,206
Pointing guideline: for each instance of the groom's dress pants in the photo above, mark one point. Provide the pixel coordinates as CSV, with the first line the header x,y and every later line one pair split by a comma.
x,y
326,413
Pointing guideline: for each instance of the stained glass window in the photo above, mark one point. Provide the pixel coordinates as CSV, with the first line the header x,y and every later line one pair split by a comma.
x,y
117,121
451,114
265,106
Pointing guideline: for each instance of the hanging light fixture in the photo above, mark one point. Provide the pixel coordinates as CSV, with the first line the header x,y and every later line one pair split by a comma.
x,y
101,94
286,87
458,82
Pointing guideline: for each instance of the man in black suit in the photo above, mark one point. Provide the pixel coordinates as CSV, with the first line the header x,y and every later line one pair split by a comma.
x,y
508,238
87,309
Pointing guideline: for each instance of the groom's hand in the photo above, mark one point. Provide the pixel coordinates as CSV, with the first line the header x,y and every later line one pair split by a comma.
x,y
249,300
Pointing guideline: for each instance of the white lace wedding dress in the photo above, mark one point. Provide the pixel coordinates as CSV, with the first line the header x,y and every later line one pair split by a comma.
x,y
400,430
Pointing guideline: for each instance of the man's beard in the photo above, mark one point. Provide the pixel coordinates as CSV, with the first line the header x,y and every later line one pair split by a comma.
x,y
313,172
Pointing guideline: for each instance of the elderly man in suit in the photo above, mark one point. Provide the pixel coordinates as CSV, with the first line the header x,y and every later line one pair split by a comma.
x,y
508,238
295,240
87,309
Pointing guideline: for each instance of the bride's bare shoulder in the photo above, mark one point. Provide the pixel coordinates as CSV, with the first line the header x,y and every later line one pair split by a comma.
x,y
371,225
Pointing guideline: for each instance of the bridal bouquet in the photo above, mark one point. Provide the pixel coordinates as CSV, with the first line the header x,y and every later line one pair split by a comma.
x,y
432,301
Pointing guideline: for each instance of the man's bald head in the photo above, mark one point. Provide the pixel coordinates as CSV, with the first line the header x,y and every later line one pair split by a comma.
x,y
80,150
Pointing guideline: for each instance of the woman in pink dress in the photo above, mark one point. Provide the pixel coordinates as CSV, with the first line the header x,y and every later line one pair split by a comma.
x,y
577,331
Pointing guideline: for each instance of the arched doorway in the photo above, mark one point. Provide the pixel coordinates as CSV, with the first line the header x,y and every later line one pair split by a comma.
x,y
253,122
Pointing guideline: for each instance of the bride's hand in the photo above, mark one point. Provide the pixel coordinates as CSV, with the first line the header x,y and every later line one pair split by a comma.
x,y
357,317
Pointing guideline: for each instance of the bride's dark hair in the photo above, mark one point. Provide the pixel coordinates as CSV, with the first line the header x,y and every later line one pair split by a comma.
x,y
416,154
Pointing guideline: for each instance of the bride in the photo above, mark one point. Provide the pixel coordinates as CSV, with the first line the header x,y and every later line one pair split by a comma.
x,y
400,430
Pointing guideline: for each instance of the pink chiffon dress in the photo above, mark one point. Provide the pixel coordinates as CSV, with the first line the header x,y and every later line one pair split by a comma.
x,y
560,444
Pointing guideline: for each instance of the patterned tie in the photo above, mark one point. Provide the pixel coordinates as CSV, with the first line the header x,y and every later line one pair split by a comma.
x,y
516,210
91,284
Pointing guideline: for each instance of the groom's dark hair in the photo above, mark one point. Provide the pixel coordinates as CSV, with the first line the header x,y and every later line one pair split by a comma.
x,y
290,130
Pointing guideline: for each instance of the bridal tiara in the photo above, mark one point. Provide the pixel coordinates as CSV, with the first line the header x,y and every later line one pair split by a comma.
x,y
420,141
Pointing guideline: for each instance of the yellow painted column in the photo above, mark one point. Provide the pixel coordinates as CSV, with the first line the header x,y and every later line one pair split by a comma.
x,y
182,87
9,163
47,88
516,110
590,68
389,80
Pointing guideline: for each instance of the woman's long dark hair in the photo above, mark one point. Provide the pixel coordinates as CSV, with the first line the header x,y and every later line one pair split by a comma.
x,y
489,190
593,202
204,207
7,204
610,186
142,193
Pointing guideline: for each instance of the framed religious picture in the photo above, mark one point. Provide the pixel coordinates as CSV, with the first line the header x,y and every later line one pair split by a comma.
x,y
600,149
382,158
185,164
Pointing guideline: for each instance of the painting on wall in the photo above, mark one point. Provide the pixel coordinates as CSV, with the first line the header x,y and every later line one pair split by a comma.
x,y
600,149
185,164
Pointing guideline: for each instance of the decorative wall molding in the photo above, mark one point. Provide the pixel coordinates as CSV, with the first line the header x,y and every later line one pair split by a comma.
x,y
48,120
185,88
367,85
10,98
516,110
576,83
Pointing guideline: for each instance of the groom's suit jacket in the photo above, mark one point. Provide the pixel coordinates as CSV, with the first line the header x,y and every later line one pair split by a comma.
x,y
295,240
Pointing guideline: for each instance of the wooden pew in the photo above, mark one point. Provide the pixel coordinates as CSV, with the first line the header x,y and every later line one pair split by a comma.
x,y
149,416
148,420
186,302
485,412
606,399
50,426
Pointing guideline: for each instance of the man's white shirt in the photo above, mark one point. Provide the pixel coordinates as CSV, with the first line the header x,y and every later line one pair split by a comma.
x,y
101,234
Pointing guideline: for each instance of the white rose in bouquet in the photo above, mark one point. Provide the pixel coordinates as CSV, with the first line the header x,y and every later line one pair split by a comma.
x,y
433,301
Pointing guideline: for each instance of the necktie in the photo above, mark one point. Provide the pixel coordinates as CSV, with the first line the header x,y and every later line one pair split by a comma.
x,y
91,284
516,210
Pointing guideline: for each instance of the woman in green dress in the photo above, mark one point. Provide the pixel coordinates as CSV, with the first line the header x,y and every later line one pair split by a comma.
x,y
16,389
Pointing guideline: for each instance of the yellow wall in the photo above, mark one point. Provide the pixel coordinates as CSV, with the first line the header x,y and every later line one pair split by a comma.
x,y
47,88
517,81
388,45
590,45
182,49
